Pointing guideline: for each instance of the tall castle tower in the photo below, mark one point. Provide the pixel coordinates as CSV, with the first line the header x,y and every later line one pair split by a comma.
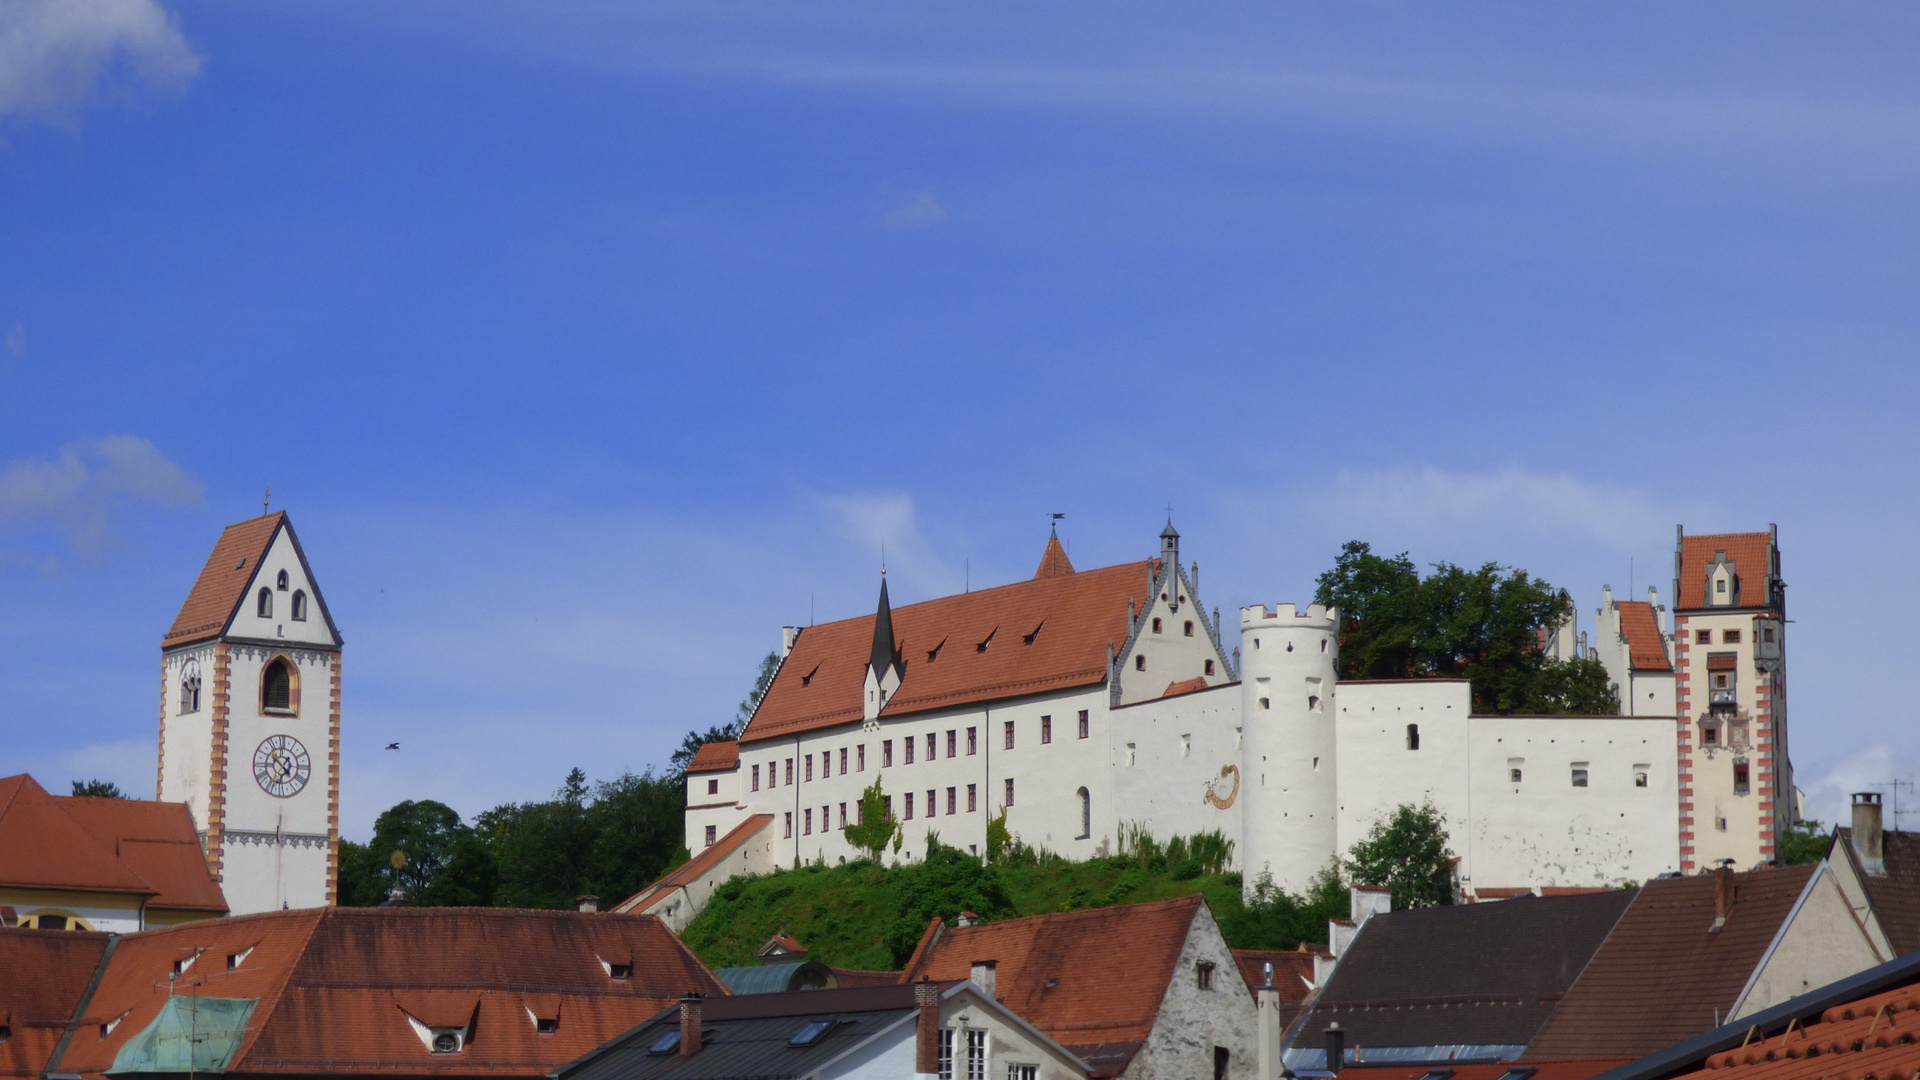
x,y
1730,691
250,720
1288,799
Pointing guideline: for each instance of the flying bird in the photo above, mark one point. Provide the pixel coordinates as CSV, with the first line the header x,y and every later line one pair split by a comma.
x,y
393,746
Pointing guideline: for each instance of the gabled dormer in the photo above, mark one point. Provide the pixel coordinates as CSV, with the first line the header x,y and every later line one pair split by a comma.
x,y
1723,582
883,663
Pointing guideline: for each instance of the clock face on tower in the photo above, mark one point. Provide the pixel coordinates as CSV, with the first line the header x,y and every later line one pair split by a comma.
x,y
280,766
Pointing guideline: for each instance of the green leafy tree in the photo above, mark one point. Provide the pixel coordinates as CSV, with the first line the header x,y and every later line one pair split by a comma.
x,y
1483,625
1272,918
944,883
999,837
98,789
447,864
1804,842
543,848
1406,853
638,829
361,882
875,827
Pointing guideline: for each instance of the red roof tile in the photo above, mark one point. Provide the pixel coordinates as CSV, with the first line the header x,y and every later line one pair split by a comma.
x,y
336,986
1175,689
1054,561
1292,970
1867,1039
41,846
696,866
223,580
721,756
1048,633
47,971
1084,978
1646,649
156,840
1662,976
1751,554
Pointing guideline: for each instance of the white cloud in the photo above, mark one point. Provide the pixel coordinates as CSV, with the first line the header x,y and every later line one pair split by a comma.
x,y
80,493
917,213
889,522
16,344
1430,500
55,55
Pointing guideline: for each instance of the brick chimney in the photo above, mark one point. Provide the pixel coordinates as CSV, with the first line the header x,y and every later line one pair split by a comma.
x,y
982,975
1869,841
690,1023
1722,896
926,1040
588,902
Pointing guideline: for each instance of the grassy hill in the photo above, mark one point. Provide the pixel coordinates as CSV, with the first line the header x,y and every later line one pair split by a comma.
x,y
864,915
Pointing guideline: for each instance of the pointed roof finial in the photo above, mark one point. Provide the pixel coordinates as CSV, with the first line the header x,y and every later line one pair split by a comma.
x,y
264,499
882,658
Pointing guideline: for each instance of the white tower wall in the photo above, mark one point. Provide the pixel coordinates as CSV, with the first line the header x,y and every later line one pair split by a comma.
x,y
1289,807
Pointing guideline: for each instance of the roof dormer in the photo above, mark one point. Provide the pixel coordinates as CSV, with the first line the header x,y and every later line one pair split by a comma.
x,y
1723,582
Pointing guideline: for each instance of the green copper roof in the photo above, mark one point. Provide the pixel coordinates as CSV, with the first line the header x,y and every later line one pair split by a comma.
x,y
191,1034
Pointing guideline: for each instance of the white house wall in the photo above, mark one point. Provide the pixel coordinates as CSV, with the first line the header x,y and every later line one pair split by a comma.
x,y
1820,943
1177,765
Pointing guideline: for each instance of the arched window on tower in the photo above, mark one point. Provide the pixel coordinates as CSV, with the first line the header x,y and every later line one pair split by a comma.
x,y
1086,815
299,605
276,686
190,689
263,606
281,582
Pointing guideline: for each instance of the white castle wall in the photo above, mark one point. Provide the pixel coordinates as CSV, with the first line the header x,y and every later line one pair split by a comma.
x,y
1289,799
1379,772
1178,764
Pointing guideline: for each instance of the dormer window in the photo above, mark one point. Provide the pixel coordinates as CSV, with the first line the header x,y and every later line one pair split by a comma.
x,y
281,581
263,604
1720,587
300,605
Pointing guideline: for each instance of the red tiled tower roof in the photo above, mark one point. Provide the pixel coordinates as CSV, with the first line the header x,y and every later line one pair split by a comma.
x,y
1054,561
1752,557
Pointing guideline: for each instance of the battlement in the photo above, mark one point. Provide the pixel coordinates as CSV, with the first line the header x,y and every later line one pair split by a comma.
x,y
1287,616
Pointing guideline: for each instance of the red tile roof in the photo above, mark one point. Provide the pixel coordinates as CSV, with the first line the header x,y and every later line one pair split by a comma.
x,y
715,757
1054,561
1751,554
1662,976
1646,649
336,986
1090,980
1048,633
1175,689
155,840
696,866
223,580
46,973
1292,970
41,846
1868,1039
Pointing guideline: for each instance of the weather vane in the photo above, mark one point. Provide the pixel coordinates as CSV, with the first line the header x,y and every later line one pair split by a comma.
x,y
265,499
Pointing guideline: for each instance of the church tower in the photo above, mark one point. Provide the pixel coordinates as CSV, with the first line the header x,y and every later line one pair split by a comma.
x,y
250,720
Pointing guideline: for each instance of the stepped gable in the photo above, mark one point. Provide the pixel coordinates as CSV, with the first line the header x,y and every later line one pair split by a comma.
x,y
155,840
1090,980
958,650
42,846
1646,650
47,972
1663,976
336,988
1751,554
723,756
1471,974
1895,895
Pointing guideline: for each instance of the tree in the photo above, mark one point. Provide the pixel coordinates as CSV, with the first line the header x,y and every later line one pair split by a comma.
x,y
1483,625
875,827
543,848
98,789
1804,842
1406,853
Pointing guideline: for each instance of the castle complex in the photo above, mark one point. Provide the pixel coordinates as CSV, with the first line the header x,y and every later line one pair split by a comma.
x,y
1082,700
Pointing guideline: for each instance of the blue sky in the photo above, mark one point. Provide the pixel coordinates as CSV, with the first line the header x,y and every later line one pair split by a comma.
x,y
589,343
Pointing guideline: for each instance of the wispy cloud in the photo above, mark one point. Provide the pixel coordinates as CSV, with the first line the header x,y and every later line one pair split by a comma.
x,y
918,212
80,493
57,55
1545,505
889,523
16,343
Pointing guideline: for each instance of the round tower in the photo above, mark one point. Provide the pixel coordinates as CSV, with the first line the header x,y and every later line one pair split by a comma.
x,y
1288,799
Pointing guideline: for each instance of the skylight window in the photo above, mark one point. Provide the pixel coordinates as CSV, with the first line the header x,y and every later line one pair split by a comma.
x,y
668,1043
1436,1074
1520,1073
812,1033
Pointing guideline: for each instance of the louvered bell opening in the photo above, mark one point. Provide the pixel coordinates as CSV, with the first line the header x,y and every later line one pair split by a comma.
x,y
279,686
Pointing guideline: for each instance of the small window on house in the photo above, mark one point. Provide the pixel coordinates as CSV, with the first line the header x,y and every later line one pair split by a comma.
x,y
843,761
806,818
789,825
908,814
933,750
1023,1072
1442,1074
1720,585
1186,746
756,778
1009,745
1766,634
886,808
1009,801
1703,637
619,971
1579,774
276,686
1156,625
1139,663
263,606
1046,730
1188,628
1720,823
1209,667
973,741
713,833
300,606
1709,733
933,804
953,800
281,581
1640,776
234,960
1086,815
1413,736
809,769
789,772
713,787
1513,775
972,801
1719,680
1740,779
886,753
843,815
190,694
860,757
1731,637
1203,975
1083,723
907,744
546,1025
